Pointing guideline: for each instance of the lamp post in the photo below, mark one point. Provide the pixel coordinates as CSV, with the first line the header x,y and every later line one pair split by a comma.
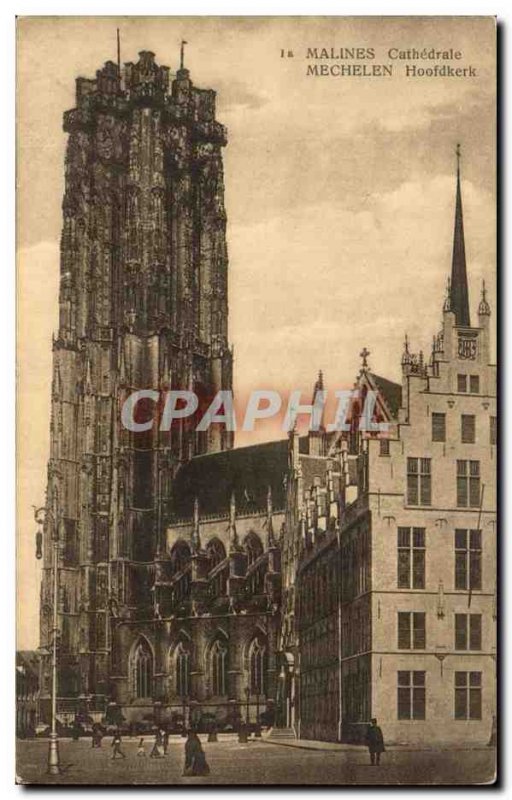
x,y
257,732
247,695
41,516
184,702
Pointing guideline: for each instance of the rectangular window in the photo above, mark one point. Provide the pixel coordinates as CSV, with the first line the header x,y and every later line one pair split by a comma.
x,y
493,430
474,384
411,695
468,695
419,481
467,428
468,484
411,558
462,383
438,427
411,630
384,447
468,631
468,559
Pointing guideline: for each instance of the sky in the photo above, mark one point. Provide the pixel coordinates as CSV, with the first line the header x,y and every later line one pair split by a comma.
x,y
339,193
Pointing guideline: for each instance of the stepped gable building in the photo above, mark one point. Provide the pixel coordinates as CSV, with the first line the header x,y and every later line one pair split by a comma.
x,y
412,555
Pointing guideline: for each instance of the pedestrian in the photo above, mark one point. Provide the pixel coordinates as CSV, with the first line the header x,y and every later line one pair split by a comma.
x,y
158,748
96,737
116,744
195,759
375,742
140,750
166,742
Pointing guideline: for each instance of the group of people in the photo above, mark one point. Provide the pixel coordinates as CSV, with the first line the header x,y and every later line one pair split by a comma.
x,y
195,758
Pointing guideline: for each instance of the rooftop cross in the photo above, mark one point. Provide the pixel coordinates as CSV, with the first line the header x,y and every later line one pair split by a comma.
x,y
364,355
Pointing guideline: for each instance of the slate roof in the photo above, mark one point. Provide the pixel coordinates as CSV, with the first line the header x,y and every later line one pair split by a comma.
x,y
248,471
391,392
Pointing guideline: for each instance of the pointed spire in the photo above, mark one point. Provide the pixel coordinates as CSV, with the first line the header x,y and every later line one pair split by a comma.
x,y
406,356
484,309
196,538
318,392
459,286
270,524
319,385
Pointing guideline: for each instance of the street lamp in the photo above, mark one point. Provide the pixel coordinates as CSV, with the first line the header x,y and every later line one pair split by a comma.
x,y
247,695
41,516
185,721
257,732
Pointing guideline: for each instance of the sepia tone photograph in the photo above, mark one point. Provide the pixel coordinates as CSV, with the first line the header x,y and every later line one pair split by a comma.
x,y
256,401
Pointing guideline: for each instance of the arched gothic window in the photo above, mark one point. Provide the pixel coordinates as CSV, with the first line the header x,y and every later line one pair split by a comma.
x,y
253,547
142,670
182,660
180,556
257,667
216,553
218,666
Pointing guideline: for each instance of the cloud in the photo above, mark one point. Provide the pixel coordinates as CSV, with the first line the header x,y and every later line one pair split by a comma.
x,y
235,95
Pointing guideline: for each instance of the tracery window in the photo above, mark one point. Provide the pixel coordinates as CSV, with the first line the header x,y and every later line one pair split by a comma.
x,y
182,659
257,667
142,670
218,665
253,547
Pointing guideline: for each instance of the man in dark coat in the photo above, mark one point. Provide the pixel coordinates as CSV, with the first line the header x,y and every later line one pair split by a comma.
x,y
116,744
195,759
375,742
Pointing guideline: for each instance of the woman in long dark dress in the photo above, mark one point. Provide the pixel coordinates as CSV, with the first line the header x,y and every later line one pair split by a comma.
x,y
195,759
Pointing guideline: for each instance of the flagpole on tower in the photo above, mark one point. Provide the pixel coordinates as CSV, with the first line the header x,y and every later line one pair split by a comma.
x,y
182,54
118,52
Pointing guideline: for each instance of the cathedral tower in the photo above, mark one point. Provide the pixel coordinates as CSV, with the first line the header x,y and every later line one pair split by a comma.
x,y
143,304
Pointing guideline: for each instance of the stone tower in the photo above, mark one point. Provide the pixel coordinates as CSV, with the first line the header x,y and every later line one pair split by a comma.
x,y
143,304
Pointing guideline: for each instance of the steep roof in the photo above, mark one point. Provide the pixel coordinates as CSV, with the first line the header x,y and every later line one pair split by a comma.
x,y
246,471
390,391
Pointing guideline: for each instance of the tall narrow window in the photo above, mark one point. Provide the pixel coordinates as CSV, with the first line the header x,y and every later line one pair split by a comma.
x,y
411,694
468,695
468,484
257,671
384,447
438,427
419,481
411,558
411,630
462,383
467,428
218,657
468,631
142,670
493,430
182,670
474,384
468,559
